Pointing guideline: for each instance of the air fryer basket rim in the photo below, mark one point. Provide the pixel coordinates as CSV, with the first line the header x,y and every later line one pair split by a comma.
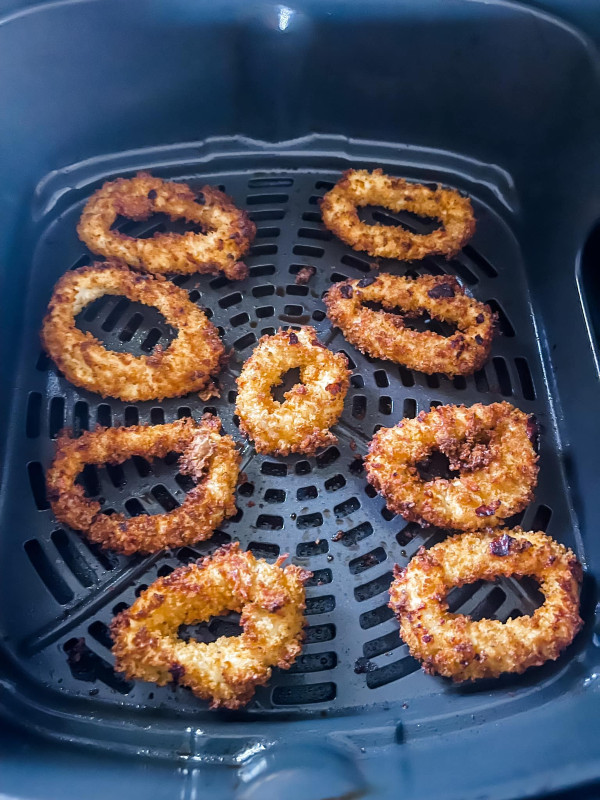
x,y
383,750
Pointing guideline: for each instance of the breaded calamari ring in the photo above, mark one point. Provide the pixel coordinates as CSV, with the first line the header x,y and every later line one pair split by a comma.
x,y
460,648
207,456
385,335
491,448
358,188
300,424
228,234
186,365
270,598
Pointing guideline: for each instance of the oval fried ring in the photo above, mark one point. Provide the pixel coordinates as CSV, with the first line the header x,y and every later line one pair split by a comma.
x,y
491,448
211,459
301,423
458,647
385,335
229,230
270,598
186,365
358,188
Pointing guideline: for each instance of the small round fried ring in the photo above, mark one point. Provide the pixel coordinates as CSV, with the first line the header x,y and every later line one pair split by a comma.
x,y
210,458
458,647
385,335
491,448
358,188
229,230
301,423
270,598
186,365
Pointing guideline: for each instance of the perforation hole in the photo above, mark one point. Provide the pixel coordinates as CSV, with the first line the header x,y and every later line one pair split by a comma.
x,y
260,199
319,605
104,415
359,406
264,550
37,483
85,665
134,508
504,324
245,341
273,469
481,381
306,493
347,507
308,250
310,549
327,457
391,672
369,619
409,408
263,291
56,421
504,382
383,644
303,468
367,561
49,576
263,249
303,694
386,405
541,519
357,263
373,588
275,496
335,483
269,522
240,319
319,633
381,378
270,181
357,534
315,233
263,269
73,558
230,300
463,272
267,232
480,262
309,520
320,577
313,662
525,378
298,290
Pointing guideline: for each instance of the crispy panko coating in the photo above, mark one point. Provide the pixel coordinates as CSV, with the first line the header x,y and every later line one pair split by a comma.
x,y
186,365
271,600
301,423
358,188
491,448
207,456
385,335
228,231
456,646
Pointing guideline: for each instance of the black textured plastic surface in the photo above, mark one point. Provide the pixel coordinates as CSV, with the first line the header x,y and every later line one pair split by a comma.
x,y
62,591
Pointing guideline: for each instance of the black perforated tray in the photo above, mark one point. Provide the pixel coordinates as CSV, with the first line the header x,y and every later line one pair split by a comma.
x,y
58,593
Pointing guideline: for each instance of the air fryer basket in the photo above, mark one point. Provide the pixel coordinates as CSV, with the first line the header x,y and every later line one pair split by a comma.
x,y
355,714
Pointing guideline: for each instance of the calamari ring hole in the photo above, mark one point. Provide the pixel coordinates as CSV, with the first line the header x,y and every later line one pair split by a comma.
x,y
225,625
501,599
415,223
163,490
289,379
437,464
156,223
420,323
125,326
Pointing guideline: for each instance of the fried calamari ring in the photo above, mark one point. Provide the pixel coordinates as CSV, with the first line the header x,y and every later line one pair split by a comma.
x,y
385,335
358,188
186,365
229,231
458,647
207,456
301,423
491,448
226,672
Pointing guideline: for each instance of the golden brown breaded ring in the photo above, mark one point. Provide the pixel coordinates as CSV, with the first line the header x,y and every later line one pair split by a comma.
x,y
226,672
385,335
207,456
301,423
229,231
456,646
358,188
489,445
185,366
